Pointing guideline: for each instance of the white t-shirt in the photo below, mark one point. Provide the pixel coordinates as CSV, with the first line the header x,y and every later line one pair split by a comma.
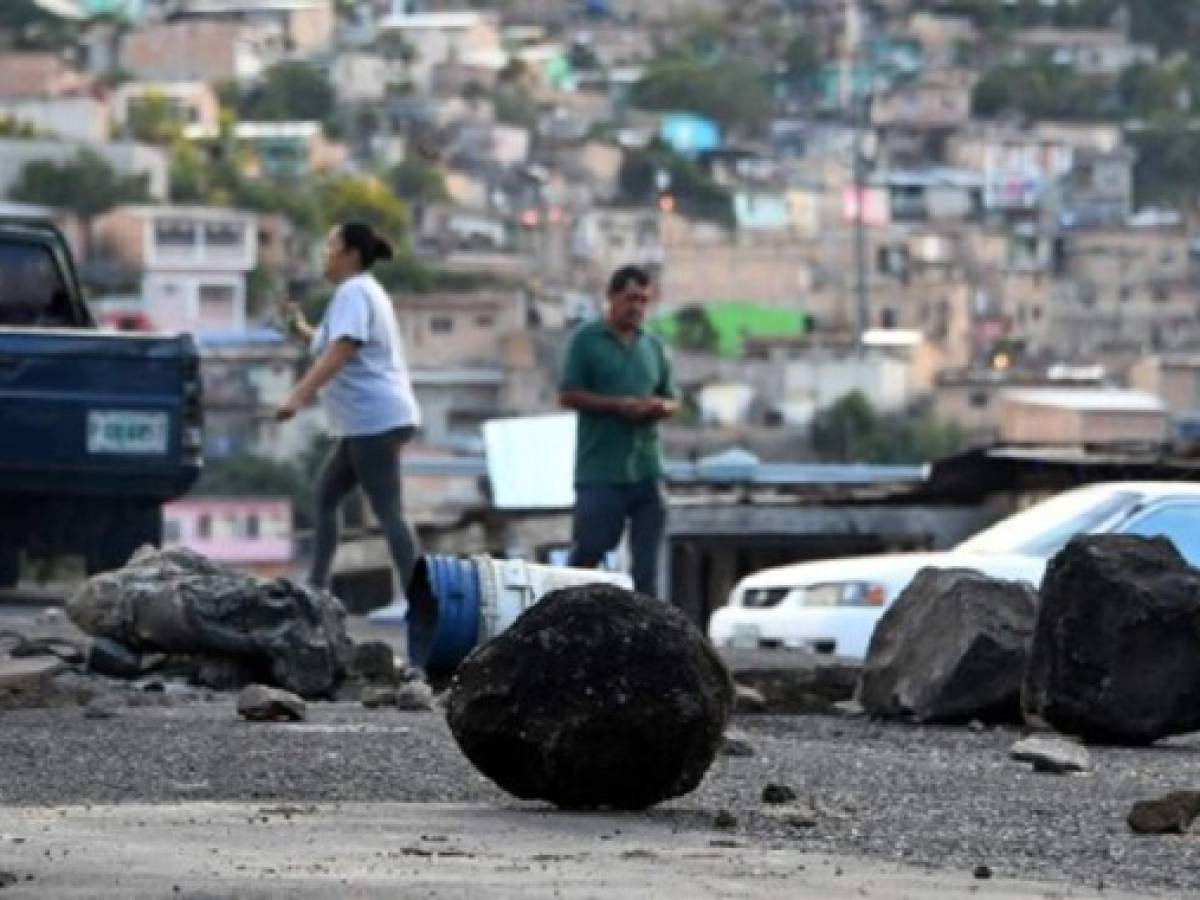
x,y
373,392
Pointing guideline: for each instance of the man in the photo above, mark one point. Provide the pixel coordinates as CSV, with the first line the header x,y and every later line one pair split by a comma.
x,y
617,377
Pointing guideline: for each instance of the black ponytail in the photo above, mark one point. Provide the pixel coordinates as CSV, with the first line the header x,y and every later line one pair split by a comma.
x,y
370,246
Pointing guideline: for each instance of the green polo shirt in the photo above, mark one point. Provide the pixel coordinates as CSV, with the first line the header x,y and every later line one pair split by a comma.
x,y
611,449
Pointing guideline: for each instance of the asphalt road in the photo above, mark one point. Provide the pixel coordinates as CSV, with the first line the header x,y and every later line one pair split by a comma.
x,y
885,795
202,850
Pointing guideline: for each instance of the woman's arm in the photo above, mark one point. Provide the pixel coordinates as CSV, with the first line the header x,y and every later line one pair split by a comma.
x,y
328,364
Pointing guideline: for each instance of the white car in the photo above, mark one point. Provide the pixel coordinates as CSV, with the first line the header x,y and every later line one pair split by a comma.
x,y
832,606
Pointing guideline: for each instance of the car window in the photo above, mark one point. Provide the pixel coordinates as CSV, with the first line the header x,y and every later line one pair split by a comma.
x,y
1178,521
32,291
1044,529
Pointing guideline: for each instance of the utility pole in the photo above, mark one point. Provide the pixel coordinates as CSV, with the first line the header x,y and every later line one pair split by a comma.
x,y
860,110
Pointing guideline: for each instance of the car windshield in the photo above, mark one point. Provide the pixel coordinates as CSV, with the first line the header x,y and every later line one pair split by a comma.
x,y
1043,529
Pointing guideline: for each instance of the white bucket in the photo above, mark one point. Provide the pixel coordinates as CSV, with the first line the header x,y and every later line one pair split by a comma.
x,y
508,587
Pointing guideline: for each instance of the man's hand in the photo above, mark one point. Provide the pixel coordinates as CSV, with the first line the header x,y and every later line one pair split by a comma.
x,y
646,409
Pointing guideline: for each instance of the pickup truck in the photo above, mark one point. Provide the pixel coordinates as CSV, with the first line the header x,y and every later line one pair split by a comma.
x,y
97,429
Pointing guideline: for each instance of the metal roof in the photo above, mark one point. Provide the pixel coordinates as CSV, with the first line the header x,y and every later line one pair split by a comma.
x,y
1085,400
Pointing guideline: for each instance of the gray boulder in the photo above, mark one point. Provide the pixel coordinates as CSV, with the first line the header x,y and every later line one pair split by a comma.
x,y
176,601
1116,651
791,682
595,697
952,648
1052,755
259,703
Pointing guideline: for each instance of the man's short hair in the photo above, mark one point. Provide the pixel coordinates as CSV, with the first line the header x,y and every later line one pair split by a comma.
x,y
625,276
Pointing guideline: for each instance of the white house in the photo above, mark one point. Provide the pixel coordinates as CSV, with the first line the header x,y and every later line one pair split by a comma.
x,y
193,262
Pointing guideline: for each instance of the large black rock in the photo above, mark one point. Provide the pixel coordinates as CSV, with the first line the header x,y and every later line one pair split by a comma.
x,y
1116,650
952,648
595,697
179,602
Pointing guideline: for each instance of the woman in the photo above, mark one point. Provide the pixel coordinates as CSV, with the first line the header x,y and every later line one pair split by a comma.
x,y
362,377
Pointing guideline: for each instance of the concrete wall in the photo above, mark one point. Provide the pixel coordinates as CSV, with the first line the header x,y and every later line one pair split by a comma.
x,y
72,118
1025,423
126,158
458,329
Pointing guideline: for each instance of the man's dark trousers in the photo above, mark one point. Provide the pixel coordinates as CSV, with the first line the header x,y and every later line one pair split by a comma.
x,y
601,511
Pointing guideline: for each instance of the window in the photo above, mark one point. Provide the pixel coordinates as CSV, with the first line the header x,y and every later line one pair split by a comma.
x,y
1180,522
204,527
252,527
485,322
977,399
224,235
441,325
174,234
32,290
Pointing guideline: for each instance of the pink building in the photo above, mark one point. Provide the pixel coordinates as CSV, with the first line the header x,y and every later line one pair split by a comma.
x,y
251,533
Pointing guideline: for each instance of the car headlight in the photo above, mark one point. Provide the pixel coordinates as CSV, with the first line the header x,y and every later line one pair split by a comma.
x,y
842,594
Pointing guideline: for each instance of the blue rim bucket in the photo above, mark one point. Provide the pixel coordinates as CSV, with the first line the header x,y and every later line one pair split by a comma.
x,y
443,616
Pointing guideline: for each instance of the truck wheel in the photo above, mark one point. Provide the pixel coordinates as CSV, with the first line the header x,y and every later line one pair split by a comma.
x,y
10,567
128,529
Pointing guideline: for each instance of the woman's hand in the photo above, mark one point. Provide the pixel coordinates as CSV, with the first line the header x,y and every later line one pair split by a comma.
x,y
287,410
294,320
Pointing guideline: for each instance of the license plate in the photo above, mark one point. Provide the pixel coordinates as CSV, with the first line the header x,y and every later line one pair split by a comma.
x,y
127,433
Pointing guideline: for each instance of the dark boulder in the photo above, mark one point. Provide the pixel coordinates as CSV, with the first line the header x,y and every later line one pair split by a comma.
x,y
1172,814
1116,650
952,648
176,601
595,697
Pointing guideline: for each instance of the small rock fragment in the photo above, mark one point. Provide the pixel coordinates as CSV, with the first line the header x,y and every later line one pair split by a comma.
x,y
777,794
849,709
259,703
107,657
416,696
374,662
976,727
737,745
748,700
1053,755
378,697
983,872
1172,814
725,820
103,707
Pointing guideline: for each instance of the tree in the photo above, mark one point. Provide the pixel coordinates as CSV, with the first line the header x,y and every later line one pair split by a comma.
x,y
365,199
847,430
15,128
290,91
1167,170
852,431
86,185
732,92
33,27
802,59
416,181
1040,89
696,194
153,120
